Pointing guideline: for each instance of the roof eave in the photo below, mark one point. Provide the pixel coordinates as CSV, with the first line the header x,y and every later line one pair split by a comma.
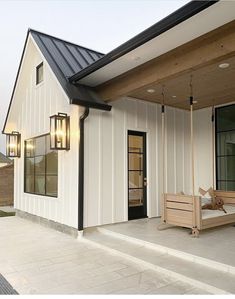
x,y
187,11
93,105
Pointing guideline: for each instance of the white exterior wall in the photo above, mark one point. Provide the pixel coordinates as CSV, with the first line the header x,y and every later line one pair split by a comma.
x,y
203,146
106,186
31,109
106,193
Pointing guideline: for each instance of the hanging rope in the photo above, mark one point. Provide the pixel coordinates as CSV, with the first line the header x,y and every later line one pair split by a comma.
x,y
191,125
163,156
213,141
163,139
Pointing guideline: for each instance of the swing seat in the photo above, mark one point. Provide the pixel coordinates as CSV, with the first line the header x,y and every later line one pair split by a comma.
x,y
185,211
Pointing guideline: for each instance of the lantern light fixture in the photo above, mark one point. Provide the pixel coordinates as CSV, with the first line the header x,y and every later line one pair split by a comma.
x,y
13,140
59,132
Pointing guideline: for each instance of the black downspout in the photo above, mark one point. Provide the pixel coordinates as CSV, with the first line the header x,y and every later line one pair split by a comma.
x,y
81,170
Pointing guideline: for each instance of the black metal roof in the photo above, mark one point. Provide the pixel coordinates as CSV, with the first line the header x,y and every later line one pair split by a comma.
x,y
68,57
178,16
65,59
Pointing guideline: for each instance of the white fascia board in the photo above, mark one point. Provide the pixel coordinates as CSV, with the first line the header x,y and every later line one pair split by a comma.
x,y
207,20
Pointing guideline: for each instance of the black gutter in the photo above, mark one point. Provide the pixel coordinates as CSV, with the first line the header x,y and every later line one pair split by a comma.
x,y
81,170
180,15
94,105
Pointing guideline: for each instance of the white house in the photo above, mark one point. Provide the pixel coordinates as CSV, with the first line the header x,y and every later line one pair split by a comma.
x,y
118,164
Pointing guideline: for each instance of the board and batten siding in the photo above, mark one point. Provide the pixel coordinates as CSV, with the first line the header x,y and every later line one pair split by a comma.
x,y
30,112
203,146
106,179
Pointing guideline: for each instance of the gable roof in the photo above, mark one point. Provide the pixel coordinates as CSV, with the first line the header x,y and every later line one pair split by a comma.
x,y
4,159
69,58
65,59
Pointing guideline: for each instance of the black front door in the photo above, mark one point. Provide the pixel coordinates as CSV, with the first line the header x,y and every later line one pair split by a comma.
x,y
137,180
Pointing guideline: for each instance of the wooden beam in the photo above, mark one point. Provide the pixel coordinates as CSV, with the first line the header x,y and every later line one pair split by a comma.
x,y
205,50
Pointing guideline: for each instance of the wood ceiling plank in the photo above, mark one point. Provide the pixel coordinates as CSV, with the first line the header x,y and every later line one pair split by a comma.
x,y
201,52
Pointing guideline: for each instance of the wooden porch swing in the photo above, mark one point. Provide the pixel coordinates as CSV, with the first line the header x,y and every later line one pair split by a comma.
x,y
186,210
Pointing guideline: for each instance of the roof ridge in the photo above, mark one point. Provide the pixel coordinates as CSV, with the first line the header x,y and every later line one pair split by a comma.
x,y
63,40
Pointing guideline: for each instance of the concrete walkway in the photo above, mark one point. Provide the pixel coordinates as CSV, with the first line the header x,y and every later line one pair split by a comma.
x,y
38,260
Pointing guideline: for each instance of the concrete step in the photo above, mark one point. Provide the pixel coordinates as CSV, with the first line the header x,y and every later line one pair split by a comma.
x,y
201,276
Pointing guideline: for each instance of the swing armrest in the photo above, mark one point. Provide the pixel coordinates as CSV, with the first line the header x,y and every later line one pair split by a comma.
x,y
181,210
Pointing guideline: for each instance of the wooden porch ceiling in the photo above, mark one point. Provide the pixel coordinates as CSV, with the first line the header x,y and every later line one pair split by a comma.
x,y
212,85
200,58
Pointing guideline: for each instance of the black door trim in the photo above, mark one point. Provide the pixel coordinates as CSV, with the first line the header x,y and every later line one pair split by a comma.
x,y
138,212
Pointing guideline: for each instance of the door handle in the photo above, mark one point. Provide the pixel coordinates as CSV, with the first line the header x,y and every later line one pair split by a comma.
x,y
145,182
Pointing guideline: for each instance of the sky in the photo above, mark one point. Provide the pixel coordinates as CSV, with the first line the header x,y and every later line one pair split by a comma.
x,y
101,25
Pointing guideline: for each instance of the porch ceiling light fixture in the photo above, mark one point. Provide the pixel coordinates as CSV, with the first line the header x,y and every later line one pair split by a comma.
x,y
13,144
150,90
224,65
60,132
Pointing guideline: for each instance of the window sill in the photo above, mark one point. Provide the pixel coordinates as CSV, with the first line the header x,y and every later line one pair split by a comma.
x,y
41,195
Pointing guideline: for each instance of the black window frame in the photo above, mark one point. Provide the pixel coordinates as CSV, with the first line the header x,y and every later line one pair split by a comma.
x,y
37,73
216,132
35,156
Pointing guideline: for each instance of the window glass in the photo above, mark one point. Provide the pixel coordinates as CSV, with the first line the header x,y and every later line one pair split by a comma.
x,y
41,167
51,183
40,146
40,184
225,118
225,135
39,73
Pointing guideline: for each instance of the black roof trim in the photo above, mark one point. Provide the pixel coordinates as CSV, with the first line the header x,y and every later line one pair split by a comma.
x,y
85,96
98,106
178,16
16,80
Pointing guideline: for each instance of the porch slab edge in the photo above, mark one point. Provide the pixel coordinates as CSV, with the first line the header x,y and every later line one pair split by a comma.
x,y
63,228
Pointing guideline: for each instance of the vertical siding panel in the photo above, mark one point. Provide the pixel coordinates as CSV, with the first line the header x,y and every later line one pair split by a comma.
x,y
141,115
119,167
107,168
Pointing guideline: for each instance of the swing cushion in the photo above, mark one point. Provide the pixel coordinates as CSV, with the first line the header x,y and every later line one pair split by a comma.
x,y
206,199
206,196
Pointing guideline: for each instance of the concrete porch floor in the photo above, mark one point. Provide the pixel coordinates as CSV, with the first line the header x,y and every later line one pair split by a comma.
x,y
216,244
38,260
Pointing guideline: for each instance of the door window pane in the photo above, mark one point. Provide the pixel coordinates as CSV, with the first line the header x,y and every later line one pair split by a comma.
x,y
135,179
135,144
135,162
135,197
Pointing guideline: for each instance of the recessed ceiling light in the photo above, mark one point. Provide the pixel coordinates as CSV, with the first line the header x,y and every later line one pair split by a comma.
x,y
224,65
151,90
136,58
174,97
